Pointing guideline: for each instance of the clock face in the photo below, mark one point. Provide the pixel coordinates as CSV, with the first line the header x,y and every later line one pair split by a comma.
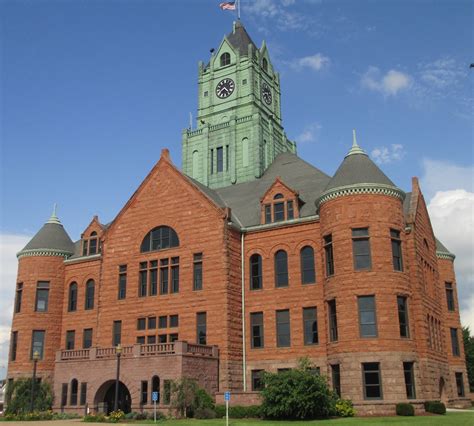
x,y
266,93
225,88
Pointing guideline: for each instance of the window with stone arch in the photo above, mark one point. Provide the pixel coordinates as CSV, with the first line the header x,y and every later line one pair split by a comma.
x,y
196,164
265,65
72,299
90,290
74,389
256,278
308,274
225,59
281,268
160,238
245,152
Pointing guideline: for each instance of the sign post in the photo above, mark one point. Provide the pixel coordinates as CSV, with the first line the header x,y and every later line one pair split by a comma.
x,y
227,399
154,397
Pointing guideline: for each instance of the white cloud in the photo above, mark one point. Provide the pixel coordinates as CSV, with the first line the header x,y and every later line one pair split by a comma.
x,y
384,155
315,62
442,73
9,246
388,84
310,133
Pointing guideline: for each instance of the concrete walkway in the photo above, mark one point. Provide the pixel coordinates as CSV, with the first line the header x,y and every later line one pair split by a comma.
x,y
459,410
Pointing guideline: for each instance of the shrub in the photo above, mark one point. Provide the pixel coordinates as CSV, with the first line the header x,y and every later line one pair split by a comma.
x,y
435,407
204,413
404,409
19,395
203,399
187,397
116,416
344,408
239,412
297,394
95,418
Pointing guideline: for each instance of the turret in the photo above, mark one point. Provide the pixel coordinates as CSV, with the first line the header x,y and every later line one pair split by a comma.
x,y
37,314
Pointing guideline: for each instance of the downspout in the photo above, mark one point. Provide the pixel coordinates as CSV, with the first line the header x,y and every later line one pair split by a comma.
x,y
244,354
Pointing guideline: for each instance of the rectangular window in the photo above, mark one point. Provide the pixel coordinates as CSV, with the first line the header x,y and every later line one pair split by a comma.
x,y
244,82
164,276
175,275
212,161
460,384
151,323
220,159
455,342
70,339
166,391
144,393
84,248
150,340
37,344
83,398
290,214
361,249
42,296
122,282
257,380
396,250
174,320
283,328
162,338
197,271
141,340
201,328
14,346
153,278
450,296
328,250
173,337
19,297
332,320
367,316
117,333
143,279
256,326
310,326
278,212
408,370
141,323
163,321
336,378
372,380
92,246
87,338
206,94
268,213
227,158
64,394
403,316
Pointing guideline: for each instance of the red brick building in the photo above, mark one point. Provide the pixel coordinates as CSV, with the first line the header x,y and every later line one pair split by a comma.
x,y
247,260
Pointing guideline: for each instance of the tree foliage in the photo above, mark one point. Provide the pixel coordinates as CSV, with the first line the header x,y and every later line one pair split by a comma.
x,y
469,351
187,397
19,396
297,394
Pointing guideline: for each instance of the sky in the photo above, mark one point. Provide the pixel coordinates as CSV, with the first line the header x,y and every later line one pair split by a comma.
x,y
92,90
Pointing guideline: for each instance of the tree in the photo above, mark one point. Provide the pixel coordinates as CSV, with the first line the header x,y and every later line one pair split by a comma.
x,y
297,394
187,397
19,396
469,351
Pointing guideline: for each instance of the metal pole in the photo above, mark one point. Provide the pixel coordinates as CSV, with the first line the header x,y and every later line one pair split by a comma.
x,y
117,379
32,405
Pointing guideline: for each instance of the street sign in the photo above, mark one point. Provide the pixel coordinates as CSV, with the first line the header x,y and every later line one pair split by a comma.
x,y
227,399
227,396
154,396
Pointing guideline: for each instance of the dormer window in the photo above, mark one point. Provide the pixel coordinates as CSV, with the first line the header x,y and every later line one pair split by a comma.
x,y
279,203
265,65
278,209
225,59
91,246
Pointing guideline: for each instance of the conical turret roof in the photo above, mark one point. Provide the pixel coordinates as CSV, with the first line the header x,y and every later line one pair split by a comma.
x,y
51,238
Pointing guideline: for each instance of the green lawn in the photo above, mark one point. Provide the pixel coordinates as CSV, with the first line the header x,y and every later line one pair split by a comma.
x,y
454,419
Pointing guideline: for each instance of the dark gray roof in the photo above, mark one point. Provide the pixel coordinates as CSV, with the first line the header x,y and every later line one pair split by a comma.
x,y
207,191
240,39
406,204
358,168
51,236
244,198
441,247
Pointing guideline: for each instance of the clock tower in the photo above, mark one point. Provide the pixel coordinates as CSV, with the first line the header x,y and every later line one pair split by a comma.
x,y
239,130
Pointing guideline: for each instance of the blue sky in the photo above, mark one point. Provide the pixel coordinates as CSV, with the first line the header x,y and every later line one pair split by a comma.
x,y
92,90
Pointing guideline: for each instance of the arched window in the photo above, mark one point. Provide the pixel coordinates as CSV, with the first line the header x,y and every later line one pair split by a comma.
x,y
160,238
93,243
155,387
245,152
427,247
256,279
90,287
225,59
281,269
265,64
72,301
74,386
195,164
278,196
308,274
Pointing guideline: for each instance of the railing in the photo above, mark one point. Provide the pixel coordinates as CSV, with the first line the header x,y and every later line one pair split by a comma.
x,y
219,126
74,354
243,119
196,132
200,349
157,349
106,353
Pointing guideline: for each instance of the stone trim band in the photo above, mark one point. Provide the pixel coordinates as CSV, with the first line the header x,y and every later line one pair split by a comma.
x,y
43,252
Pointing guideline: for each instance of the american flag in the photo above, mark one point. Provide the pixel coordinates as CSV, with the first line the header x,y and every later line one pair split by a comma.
x,y
228,5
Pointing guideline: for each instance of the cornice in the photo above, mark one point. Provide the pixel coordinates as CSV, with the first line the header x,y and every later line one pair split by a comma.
x,y
445,255
43,252
360,188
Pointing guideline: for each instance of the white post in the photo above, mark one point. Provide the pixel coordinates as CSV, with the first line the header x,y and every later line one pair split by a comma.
x,y
227,412
154,416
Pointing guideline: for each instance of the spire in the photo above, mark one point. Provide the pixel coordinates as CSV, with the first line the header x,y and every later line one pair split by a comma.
x,y
54,218
356,149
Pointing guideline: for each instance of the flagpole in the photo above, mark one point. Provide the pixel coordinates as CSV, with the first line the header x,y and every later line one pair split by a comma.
x,y
238,10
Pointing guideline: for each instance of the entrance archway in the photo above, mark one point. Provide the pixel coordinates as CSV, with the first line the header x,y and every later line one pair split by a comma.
x,y
105,398
442,390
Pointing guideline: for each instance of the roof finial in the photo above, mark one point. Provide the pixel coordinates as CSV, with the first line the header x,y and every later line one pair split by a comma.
x,y
356,149
54,219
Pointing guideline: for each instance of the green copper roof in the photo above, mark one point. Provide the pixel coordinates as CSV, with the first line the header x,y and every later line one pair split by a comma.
x,y
51,237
